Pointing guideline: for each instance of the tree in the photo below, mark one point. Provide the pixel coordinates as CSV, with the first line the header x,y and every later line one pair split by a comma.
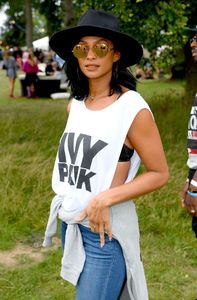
x,y
157,23
19,29
52,13
14,30
19,24
29,23
191,66
67,12
154,23
191,75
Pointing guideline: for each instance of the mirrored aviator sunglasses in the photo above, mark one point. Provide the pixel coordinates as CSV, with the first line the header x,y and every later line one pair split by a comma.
x,y
100,50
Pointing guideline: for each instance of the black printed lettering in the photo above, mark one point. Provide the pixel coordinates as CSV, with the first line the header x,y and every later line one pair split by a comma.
x,y
61,152
63,171
90,152
85,179
77,174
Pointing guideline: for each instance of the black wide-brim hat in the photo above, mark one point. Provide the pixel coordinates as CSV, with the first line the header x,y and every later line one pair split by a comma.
x,y
190,31
102,24
194,29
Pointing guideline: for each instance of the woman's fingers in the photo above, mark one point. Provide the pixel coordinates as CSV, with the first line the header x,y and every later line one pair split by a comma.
x,y
108,230
99,219
104,227
102,235
93,227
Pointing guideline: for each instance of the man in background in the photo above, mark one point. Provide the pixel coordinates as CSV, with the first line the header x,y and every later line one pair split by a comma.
x,y
189,192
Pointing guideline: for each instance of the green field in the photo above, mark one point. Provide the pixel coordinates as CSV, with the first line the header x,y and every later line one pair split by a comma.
x,y
30,131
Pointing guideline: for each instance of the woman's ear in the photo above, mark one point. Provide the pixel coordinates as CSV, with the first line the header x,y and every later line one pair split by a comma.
x,y
117,56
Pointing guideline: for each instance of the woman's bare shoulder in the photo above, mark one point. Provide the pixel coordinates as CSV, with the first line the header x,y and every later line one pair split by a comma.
x,y
69,105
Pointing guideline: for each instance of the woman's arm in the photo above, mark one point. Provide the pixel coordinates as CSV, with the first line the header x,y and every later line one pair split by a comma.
x,y
145,139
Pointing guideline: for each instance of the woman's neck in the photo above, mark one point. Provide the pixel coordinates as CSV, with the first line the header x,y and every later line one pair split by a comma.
x,y
99,88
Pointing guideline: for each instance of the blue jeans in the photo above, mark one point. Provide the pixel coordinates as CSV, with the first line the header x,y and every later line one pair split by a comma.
x,y
104,271
63,228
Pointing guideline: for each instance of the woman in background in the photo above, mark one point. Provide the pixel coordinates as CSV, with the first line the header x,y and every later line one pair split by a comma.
x,y
30,67
10,65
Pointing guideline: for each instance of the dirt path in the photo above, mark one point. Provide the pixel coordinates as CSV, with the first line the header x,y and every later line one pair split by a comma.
x,y
19,255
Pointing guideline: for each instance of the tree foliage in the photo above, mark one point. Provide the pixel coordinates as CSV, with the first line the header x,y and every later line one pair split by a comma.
x,y
14,28
157,24
51,11
154,23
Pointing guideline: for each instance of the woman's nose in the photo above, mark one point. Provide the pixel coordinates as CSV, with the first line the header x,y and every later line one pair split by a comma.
x,y
91,54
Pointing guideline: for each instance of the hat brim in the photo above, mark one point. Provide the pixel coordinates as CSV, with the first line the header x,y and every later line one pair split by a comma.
x,y
189,30
63,41
192,29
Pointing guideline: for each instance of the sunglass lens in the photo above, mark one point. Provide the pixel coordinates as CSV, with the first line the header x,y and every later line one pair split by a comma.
x,y
101,50
79,51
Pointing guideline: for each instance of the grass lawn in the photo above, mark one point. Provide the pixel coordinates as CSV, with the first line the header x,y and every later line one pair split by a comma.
x,y
30,131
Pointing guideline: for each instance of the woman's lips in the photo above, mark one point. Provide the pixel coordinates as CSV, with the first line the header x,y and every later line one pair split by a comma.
x,y
91,67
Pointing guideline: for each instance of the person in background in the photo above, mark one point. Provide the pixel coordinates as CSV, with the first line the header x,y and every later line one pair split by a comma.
x,y
25,54
1,54
39,54
109,128
30,67
139,72
10,65
18,53
50,70
189,192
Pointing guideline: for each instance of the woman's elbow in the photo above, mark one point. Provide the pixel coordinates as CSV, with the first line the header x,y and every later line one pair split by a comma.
x,y
164,177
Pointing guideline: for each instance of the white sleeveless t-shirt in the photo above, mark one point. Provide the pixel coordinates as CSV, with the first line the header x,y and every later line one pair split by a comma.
x,y
90,147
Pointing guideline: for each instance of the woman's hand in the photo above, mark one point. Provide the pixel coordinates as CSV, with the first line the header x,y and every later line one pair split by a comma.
x,y
98,214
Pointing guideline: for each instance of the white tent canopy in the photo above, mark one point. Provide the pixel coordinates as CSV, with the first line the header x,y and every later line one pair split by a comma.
x,y
42,43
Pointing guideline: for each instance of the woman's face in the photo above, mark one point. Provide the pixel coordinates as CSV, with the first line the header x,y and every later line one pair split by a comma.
x,y
98,57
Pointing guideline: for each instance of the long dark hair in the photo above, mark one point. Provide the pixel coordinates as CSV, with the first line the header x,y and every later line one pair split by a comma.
x,y
79,85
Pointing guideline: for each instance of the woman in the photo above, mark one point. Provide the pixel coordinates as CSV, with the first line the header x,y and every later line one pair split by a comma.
x,y
10,65
30,67
109,127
